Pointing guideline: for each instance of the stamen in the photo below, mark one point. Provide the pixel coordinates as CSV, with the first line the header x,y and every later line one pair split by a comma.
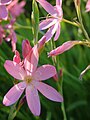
x,y
28,79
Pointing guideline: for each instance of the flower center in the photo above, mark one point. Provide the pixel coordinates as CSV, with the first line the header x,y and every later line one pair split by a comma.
x,y
28,79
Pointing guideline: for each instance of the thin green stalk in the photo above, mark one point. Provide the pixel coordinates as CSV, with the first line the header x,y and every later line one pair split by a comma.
x,y
60,80
78,10
69,22
60,89
19,26
62,104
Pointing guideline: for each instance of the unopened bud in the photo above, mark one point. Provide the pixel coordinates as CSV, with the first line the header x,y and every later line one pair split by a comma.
x,y
64,47
26,48
55,77
16,57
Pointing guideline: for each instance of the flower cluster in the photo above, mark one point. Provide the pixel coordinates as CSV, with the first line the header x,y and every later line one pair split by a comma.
x,y
14,8
30,76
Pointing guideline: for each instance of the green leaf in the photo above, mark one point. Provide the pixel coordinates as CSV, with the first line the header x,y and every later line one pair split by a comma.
x,y
35,20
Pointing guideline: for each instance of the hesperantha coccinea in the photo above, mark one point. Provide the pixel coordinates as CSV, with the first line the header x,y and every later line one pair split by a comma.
x,y
52,22
31,79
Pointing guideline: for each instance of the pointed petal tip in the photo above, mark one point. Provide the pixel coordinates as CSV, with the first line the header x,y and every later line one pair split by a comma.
x,y
36,114
60,99
6,101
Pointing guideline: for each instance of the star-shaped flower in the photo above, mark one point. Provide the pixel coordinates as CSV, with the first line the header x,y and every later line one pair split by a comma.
x,y
52,23
32,78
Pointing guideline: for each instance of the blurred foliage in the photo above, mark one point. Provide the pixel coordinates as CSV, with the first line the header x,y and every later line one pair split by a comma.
x,y
72,62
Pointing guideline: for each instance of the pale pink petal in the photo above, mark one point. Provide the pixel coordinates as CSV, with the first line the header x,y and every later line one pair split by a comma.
x,y
59,12
26,48
33,100
57,32
59,2
17,8
49,92
64,47
44,72
47,23
14,94
31,60
41,44
14,2
5,2
3,12
22,4
16,57
13,46
14,69
49,34
88,6
47,6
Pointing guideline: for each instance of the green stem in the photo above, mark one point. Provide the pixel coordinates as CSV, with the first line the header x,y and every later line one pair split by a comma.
x,y
62,104
78,10
60,81
69,22
18,26
60,89
84,31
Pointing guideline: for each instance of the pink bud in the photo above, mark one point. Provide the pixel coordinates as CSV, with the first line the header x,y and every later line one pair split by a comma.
x,y
26,48
55,77
64,47
16,57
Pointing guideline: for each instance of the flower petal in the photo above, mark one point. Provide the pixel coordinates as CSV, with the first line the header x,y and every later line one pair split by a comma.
x,y
49,92
26,48
49,34
57,32
47,6
14,69
3,12
64,47
47,23
5,2
31,60
14,94
16,57
59,2
44,72
33,100
88,6
41,44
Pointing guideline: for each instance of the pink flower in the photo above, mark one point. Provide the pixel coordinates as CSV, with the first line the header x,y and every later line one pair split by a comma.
x,y
16,8
31,78
3,9
88,6
12,36
64,47
52,23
